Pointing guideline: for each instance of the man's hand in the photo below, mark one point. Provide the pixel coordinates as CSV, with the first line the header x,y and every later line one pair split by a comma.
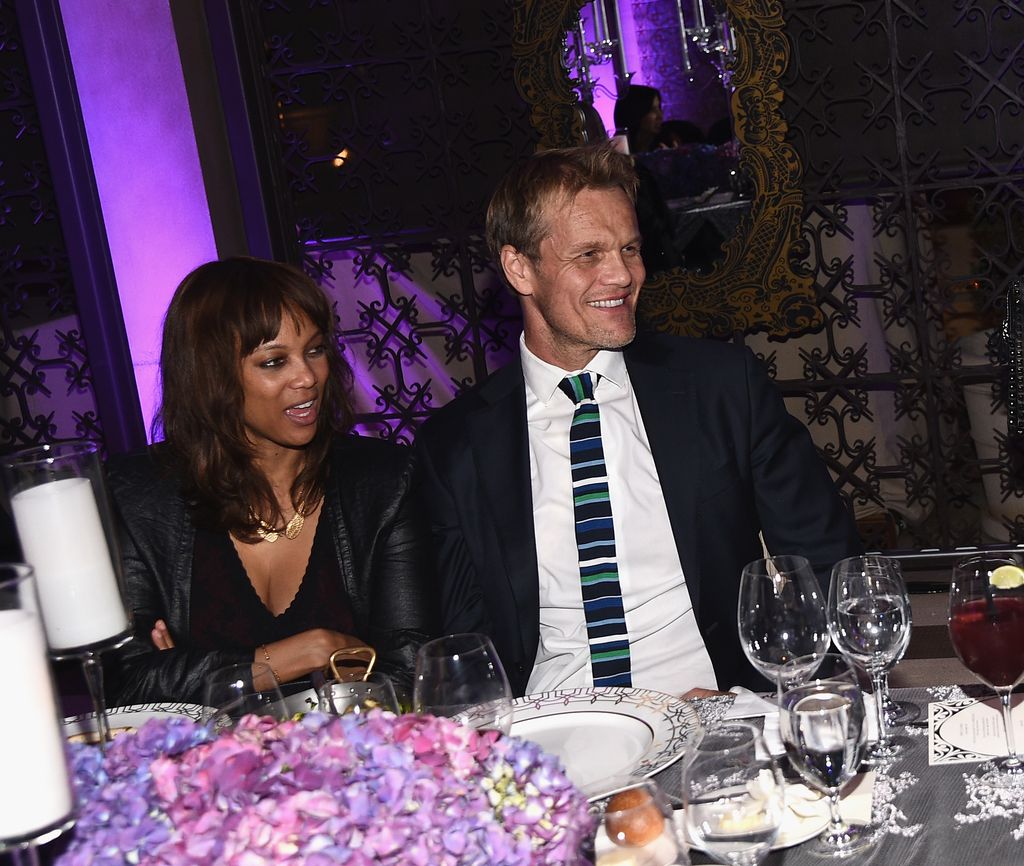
x,y
702,693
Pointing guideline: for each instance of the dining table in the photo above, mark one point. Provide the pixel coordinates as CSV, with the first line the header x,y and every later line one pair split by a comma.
x,y
926,815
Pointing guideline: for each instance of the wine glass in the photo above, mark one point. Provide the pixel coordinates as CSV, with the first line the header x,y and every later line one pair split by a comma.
x,y
240,690
460,676
986,628
374,692
896,712
734,795
781,613
821,721
869,617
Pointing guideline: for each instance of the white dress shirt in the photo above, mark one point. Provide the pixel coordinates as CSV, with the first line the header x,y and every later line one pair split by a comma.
x,y
667,652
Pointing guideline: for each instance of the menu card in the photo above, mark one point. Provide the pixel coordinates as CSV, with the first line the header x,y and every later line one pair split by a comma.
x,y
969,730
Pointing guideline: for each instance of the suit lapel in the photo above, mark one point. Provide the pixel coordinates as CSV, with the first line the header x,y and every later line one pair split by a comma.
x,y
501,453
665,393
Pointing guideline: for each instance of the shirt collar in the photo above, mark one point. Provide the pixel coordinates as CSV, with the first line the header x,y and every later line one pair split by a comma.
x,y
542,378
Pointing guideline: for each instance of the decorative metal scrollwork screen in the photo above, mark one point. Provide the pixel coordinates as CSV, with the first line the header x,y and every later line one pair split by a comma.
x,y
46,388
392,122
909,121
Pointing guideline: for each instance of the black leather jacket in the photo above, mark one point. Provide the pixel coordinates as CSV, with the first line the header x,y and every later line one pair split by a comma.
x,y
381,542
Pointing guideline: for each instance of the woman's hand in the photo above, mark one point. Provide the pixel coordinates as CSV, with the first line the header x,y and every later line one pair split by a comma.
x,y
160,636
302,653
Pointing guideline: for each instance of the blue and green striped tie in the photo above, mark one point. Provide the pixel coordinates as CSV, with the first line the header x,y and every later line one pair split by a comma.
x,y
595,538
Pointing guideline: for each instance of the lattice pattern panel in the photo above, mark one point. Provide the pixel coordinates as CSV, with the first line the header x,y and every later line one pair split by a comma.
x,y
417,330
394,122
46,389
908,119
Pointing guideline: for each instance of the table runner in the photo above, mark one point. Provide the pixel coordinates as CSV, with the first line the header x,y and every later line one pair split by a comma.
x,y
930,816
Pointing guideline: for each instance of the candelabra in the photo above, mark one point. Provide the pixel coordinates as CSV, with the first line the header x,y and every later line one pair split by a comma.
x,y
580,54
711,33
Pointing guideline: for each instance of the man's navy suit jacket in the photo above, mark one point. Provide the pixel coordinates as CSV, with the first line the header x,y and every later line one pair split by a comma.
x,y
732,463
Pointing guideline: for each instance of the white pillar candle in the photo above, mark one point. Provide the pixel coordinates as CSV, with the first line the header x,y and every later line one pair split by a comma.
x,y
62,539
34,788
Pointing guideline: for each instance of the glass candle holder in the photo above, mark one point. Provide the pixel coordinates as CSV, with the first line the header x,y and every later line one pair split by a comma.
x,y
36,802
60,509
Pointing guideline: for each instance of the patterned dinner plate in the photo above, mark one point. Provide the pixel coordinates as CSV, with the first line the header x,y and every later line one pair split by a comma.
x,y
122,719
607,738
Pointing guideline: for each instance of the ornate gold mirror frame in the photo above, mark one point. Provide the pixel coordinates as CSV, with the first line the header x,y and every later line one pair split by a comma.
x,y
753,286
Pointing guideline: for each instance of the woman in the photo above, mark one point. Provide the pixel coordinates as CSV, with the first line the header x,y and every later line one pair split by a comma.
x,y
258,530
638,112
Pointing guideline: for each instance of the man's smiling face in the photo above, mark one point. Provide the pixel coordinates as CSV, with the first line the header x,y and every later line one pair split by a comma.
x,y
579,295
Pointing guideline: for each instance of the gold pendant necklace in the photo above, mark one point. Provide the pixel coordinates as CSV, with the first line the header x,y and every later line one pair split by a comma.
x,y
291,530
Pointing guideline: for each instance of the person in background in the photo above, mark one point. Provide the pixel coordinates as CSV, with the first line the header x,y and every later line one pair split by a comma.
x,y
638,111
677,133
594,502
720,132
261,529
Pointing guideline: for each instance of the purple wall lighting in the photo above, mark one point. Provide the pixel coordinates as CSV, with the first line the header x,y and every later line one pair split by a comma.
x,y
136,114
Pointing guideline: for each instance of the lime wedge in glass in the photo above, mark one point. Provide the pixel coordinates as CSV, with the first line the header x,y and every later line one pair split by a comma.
x,y
1007,577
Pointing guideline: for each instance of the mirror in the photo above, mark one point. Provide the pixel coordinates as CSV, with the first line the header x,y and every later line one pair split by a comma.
x,y
659,80
752,285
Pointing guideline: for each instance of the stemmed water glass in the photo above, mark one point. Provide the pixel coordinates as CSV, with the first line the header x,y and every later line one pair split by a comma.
x,y
240,690
734,795
821,721
374,691
869,617
460,676
986,628
781,613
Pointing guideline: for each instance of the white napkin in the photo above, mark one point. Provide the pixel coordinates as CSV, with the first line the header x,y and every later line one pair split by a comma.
x,y
871,717
750,705
856,797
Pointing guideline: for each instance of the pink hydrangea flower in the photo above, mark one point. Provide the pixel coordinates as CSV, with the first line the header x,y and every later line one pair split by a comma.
x,y
371,789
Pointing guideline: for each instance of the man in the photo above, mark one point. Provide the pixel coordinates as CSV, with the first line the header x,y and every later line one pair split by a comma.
x,y
596,527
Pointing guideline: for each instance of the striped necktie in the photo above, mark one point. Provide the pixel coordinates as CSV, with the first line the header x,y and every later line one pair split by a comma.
x,y
595,538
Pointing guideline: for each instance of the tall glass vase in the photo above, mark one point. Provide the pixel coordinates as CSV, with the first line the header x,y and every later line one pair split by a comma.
x,y
61,512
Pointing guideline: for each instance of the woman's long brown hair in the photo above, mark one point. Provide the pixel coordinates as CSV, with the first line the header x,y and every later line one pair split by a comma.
x,y
220,313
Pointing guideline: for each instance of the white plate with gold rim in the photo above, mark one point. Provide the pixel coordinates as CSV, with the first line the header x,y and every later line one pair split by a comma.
x,y
604,735
123,719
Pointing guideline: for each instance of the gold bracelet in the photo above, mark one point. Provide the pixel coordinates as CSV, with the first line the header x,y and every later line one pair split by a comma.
x,y
266,655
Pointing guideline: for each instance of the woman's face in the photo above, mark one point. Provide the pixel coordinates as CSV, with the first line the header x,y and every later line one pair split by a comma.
x,y
283,386
651,122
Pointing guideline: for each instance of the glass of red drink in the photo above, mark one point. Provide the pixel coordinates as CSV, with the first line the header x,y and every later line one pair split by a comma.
x,y
986,628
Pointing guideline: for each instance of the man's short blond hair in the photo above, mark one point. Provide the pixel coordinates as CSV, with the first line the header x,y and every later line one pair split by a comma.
x,y
515,216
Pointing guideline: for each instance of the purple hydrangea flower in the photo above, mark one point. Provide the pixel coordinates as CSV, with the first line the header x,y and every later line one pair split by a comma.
x,y
367,789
